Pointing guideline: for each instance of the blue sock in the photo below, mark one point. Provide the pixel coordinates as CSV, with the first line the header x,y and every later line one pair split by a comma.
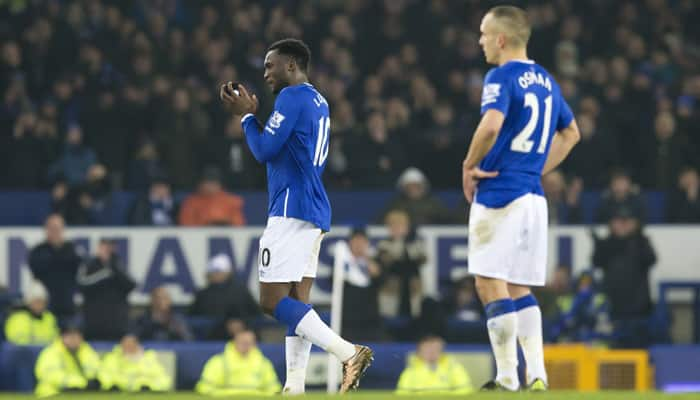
x,y
499,307
292,331
290,312
525,302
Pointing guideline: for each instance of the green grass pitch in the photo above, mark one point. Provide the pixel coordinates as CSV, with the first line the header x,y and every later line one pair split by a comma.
x,y
374,395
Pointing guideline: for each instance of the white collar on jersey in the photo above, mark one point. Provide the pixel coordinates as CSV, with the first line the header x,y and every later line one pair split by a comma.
x,y
523,61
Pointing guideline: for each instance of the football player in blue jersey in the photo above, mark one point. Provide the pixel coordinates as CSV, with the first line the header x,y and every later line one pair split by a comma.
x,y
293,144
526,130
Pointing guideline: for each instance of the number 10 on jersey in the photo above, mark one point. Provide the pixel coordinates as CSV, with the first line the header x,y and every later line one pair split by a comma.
x,y
321,153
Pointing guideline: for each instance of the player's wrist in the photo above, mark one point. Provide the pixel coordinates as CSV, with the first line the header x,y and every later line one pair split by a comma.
x,y
245,116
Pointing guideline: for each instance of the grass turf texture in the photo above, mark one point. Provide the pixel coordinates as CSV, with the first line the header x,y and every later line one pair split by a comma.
x,y
374,395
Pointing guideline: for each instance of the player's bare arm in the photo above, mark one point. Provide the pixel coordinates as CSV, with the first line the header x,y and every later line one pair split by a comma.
x,y
484,139
562,143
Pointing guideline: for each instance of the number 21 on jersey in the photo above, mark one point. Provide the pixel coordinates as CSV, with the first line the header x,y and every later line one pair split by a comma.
x,y
321,153
521,142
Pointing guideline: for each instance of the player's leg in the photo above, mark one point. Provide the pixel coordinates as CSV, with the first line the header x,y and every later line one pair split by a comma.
x,y
493,238
529,333
502,327
288,247
532,272
297,349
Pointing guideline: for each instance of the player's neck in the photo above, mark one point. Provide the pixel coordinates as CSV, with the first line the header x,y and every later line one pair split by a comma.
x,y
298,80
513,55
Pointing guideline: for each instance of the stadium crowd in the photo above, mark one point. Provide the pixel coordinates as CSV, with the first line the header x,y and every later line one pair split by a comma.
x,y
99,95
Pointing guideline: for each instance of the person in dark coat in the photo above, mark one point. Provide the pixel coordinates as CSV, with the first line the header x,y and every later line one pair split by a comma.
x,y
161,322
224,299
683,206
625,258
105,286
363,279
54,263
155,208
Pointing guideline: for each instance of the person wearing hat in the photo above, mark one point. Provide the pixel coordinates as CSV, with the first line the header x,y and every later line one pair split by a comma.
x,y
68,364
32,324
625,258
211,204
224,299
415,199
130,368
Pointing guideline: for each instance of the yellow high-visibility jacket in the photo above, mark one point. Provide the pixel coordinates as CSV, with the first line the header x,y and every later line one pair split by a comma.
x,y
22,328
230,373
449,377
57,369
130,375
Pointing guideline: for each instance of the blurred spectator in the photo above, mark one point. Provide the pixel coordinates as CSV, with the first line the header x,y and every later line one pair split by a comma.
x,y
415,199
83,204
625,258
431,372
401,255
464,304
130,368
596,144
180,134
32,324
75,160
580,313
145,167
31,151
69,364
563,201
621,194
161,322
211,205
669,153
105,286
54,263
363,278
224,299
230,153
684,202
155,208
240,370
382,155
559,287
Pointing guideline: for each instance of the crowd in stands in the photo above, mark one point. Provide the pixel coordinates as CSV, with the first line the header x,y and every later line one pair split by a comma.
x,y
102,95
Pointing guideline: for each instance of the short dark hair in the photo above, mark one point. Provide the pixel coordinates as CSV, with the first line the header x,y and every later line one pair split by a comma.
x,y
294,48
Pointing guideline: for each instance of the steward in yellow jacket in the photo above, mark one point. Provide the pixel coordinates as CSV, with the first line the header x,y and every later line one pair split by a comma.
x,y
129,368
68,364
432,372
32,324
240,369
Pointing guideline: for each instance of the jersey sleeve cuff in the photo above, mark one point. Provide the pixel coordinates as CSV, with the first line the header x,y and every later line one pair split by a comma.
x,y
245,117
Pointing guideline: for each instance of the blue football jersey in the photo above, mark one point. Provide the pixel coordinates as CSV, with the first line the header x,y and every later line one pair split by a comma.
x,y
534,110
293,144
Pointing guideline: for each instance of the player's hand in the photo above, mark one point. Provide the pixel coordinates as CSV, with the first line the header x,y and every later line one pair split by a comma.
x,y
238,100
470,177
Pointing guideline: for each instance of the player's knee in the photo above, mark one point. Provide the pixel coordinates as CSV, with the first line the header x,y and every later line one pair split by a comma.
x,y
268,303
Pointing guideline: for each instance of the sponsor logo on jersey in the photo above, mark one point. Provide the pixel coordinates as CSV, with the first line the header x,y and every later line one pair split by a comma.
x,y
490,93
276,119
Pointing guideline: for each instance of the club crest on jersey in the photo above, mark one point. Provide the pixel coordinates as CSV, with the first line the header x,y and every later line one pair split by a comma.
x,y
276,119
490,93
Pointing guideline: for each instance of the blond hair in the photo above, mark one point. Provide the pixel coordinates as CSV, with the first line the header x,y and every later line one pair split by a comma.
x,y
515,24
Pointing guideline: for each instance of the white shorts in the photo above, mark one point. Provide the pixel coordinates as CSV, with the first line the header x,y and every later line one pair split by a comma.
x,y
289,250
510,243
